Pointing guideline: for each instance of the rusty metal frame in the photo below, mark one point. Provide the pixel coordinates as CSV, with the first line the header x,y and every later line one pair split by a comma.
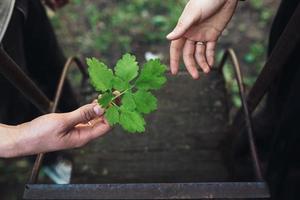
x,y
229,53
257,189
33,190
288,41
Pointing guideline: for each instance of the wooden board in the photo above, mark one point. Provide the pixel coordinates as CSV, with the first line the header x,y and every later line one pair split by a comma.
x,y
181,143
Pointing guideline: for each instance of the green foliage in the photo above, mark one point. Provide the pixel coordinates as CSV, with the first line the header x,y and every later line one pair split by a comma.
x,y
112,115
255,56
151,76
231,84
128,102
256,51
132,121
126,68
145,101
257,4
101,76
124,93
116,26
105,99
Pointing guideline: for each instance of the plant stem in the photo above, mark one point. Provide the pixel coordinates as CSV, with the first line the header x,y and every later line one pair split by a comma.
x,y
114,104
123,92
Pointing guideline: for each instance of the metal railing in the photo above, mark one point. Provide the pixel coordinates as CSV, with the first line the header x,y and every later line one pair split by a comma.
x,y
229,53
196,190
256,189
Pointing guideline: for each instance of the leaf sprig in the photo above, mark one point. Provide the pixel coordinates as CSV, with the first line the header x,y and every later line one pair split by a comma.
x,y
126,92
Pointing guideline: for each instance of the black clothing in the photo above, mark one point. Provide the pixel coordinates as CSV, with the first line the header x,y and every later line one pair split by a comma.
x,y
31,43
283,105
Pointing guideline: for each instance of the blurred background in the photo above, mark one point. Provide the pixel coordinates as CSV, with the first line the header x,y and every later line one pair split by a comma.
x,y
106,29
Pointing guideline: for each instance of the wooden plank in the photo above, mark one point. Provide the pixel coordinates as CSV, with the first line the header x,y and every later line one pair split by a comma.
x,y
181,142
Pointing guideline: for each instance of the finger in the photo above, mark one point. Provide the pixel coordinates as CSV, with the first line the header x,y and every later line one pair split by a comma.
x,y
84,114
95,101
86,133
175,53
201,57
98,128
189,15
188,58
210,53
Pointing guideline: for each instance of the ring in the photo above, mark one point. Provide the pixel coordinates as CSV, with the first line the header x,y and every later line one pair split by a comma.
x,y
200,43
90,123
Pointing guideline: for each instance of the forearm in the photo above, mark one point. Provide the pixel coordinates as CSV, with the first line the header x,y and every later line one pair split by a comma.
x,y
8,141
53,132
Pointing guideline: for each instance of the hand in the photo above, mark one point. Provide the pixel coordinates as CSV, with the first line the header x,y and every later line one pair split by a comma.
x,y
56,4
54,132
201,21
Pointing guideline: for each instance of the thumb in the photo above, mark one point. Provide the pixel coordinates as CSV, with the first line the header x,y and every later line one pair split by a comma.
x,y
84,114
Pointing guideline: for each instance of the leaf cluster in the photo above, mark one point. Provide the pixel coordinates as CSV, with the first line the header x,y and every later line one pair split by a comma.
x,y
125,93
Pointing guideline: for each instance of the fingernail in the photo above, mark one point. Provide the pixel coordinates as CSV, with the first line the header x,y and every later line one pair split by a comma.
x,y
172,72
195,76
98,110
206,70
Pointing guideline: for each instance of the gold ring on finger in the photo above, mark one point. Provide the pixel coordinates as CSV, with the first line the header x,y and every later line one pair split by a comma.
x,y
200,43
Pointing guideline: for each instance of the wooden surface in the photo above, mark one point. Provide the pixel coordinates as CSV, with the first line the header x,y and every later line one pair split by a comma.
x,y
181,144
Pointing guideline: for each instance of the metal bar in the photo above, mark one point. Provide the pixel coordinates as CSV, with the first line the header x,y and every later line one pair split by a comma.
x,y
38,162
208,190
239,78
11,71
63,78
288,41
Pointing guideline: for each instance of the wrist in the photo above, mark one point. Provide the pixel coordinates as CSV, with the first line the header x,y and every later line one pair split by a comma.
x,y
9,141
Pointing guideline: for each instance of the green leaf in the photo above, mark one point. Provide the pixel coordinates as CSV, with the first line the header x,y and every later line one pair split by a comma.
x,y
130,106
101,77
145,101
120,85
132,121
112,115
152,75
105,99
127,68
128,101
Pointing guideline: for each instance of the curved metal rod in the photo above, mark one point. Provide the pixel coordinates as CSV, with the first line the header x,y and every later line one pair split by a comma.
x,y
68,64
239,78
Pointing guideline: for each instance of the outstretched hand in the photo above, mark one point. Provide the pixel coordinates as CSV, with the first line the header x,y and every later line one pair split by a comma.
x,y
197,32
58,131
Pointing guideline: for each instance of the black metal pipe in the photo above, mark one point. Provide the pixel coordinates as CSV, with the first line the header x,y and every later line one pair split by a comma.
x,y
206,190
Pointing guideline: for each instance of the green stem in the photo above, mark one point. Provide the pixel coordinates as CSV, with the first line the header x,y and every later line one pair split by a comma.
x,y
114,104
123,92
